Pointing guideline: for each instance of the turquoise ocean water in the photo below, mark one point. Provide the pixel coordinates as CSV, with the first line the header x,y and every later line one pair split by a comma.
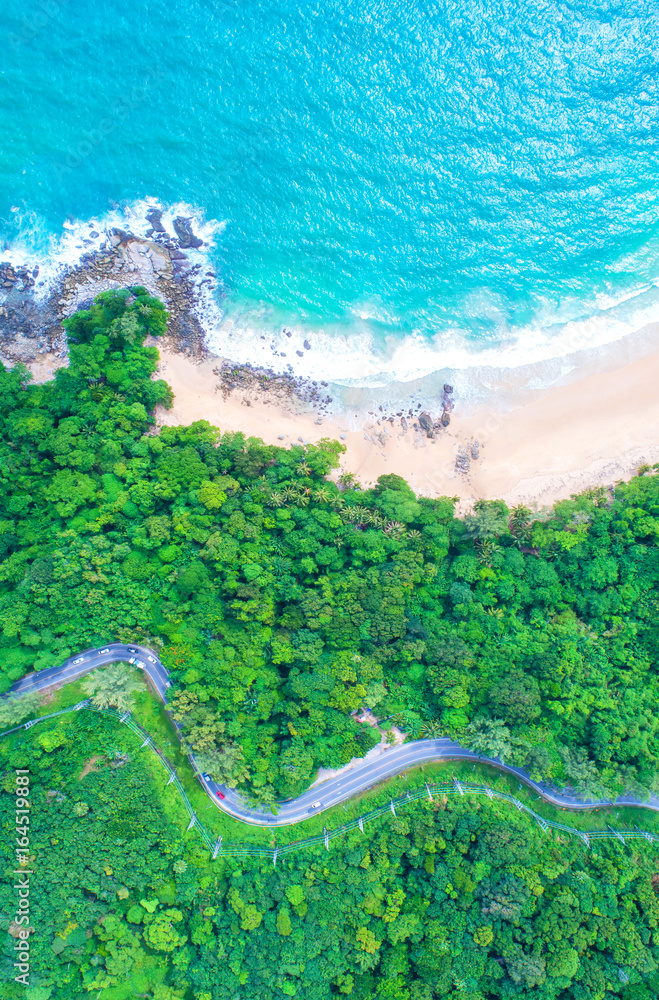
x,y
415,187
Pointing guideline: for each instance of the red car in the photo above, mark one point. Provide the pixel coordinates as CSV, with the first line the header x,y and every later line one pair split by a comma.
x,y
220,795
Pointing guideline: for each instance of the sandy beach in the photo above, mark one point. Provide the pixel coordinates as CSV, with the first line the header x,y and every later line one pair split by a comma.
x,y
595,430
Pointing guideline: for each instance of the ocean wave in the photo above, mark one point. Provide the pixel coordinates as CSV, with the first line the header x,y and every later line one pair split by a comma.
x,y
360,357
364,358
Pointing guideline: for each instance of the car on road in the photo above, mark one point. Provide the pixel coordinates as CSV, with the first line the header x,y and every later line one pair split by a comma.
x,y
131,650
80,659
151,659
99,651
316,805
136,663
220,795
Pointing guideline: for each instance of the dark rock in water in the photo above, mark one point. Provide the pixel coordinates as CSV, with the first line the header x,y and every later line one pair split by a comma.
x,y
94,234
121,235
300,354
177,255
35,271
426,424
448,388
446,418
186,238
154,216
288,333
307,345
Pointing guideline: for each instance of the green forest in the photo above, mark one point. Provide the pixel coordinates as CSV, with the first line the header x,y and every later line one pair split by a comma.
x,y
283,597
456,898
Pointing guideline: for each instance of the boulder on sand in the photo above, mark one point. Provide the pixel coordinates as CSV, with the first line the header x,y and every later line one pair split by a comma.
x,y
426,424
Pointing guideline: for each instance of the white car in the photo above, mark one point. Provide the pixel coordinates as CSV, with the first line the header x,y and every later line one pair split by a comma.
x,y
131,650
99,651
80,659
316,805
151,659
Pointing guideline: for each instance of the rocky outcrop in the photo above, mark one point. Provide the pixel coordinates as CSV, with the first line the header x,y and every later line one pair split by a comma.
x,y
155,218
187,239
250,380
30,326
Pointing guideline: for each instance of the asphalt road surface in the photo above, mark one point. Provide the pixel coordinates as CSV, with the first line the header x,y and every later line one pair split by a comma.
x,y
331,792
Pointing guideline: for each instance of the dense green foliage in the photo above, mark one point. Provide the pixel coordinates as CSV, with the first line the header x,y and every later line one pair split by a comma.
x,y
459,898
283,600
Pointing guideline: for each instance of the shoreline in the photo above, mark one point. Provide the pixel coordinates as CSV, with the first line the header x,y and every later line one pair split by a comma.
x,y
594,422
593,430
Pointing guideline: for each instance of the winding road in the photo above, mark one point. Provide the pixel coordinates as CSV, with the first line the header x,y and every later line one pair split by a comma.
x,y
329,793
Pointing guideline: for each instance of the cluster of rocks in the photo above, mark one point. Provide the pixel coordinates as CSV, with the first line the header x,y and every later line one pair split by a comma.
x,y
280,387
282,354
426,422
27,328
467,455
30,326
11,276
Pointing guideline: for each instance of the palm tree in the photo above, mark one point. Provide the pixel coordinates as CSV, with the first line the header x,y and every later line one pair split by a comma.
x,y
349,479
322,494
303,469
486,549
13,709
520,524
275,500
289,493
432,730
112,687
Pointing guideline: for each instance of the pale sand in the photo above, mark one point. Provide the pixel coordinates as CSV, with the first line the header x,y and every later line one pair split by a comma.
x,y
596,430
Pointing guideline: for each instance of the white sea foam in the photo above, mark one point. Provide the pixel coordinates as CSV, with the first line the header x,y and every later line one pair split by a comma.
x,y
354,357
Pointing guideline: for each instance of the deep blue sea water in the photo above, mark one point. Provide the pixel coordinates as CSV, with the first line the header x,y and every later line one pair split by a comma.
x,y
414,186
